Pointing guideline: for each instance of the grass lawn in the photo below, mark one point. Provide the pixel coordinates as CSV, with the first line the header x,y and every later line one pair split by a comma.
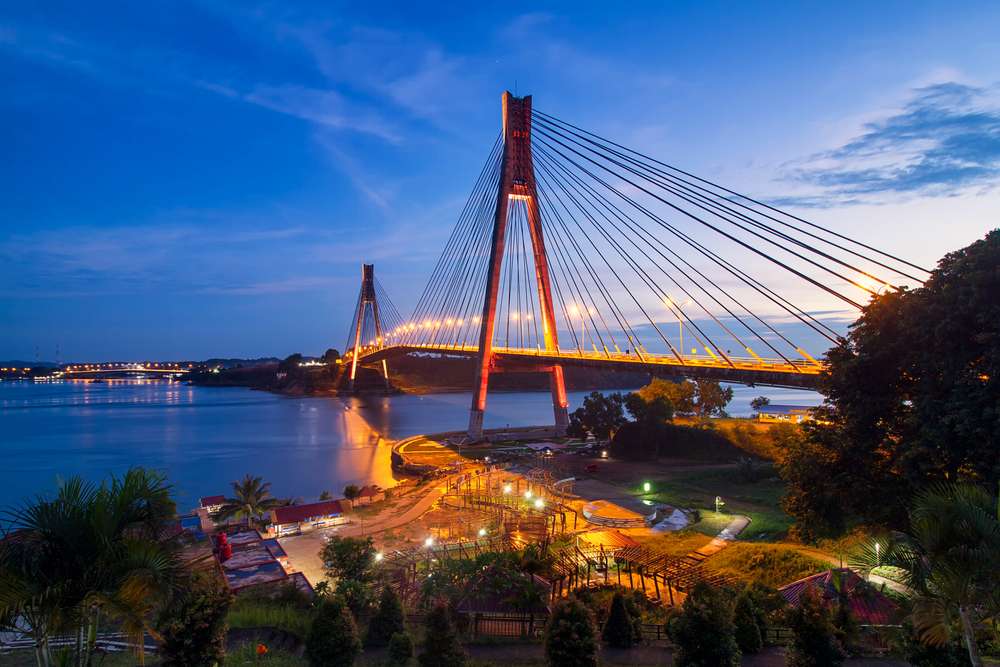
x,y
760,500
772,564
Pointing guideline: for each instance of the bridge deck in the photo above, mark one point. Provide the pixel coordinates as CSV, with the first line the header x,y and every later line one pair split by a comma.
x,y
772,372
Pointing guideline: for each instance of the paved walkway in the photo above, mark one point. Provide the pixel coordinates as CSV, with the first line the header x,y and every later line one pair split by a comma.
x,y
303,550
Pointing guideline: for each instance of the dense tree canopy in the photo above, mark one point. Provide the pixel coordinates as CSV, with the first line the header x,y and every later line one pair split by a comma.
x,y
600,415
913,396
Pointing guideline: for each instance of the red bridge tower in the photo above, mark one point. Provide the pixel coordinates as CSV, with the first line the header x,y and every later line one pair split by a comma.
x,y
517,182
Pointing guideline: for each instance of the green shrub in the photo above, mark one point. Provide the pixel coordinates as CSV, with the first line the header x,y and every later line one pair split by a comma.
x,y
333,639
387,621
193,624
703,632
814,643
570,637
749,634
441,645
400,649
619,631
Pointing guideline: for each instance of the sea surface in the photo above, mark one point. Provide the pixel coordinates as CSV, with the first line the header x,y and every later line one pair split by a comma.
x,y
203,438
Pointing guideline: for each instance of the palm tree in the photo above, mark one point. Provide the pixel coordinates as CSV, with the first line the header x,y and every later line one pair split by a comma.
x,y
251,499
948,560
89,552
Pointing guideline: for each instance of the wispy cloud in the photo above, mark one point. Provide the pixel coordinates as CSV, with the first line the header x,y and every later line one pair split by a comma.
x,y
944,141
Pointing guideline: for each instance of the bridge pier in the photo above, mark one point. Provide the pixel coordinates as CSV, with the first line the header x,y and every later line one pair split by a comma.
x,y
517,181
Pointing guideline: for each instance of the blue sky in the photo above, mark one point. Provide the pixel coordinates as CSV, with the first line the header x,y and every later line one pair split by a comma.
x,y
200,179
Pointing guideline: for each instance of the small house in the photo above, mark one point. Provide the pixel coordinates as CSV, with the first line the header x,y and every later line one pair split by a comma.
x,y
868,605
785,414
293,519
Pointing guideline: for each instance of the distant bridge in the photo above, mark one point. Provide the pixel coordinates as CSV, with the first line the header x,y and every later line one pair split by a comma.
x,y
574,250
162,369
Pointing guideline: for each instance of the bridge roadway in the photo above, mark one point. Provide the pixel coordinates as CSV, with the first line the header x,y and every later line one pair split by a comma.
x,y
85,370
768,372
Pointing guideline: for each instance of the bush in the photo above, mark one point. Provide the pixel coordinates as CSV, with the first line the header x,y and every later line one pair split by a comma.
x,y
749,634
704,632
441,645
570,637
387,621
619,631
400,649
814,643
193,624
333,639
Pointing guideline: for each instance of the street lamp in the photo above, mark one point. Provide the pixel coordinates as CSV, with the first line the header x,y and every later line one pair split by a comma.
x,y
539,504
429,542
878,554
482,532
527,495
646,487
379,556
507,488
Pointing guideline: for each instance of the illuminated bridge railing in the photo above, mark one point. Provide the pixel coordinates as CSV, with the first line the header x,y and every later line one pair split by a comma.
x,y
640,358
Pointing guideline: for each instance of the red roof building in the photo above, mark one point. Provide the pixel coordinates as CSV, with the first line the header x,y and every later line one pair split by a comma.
x,y
294,518
868,605
213,501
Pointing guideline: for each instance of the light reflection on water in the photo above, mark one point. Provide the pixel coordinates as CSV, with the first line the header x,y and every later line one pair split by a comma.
x,y
205,437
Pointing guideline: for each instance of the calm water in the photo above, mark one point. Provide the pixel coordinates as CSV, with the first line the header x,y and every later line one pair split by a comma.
x,y
205,437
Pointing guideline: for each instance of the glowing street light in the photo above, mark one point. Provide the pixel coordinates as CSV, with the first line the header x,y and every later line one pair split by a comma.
x,y
539,503
482,532
527,495
878,554
604,453
507,488
379,556
429,542
646,487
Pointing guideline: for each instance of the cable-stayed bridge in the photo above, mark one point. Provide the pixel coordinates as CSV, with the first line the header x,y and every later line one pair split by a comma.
x,y
573,249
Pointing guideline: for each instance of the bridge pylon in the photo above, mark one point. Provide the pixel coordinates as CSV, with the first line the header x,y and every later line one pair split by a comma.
x,y
367,302
517,181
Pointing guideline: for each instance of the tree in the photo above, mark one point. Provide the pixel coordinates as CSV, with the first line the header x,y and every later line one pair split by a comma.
x,y
759,403
681,395
89,555
704,632
618,629
400,649
649,413
948,560
599,415
441,645
748,632
251,499
911,395
387,621
331,356
326,495
290,364
349,558
333,637
813,641
712,399
570,636
193,624
351,492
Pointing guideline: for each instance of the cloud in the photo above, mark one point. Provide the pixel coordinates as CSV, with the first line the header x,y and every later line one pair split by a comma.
x,y
324,107
944,141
